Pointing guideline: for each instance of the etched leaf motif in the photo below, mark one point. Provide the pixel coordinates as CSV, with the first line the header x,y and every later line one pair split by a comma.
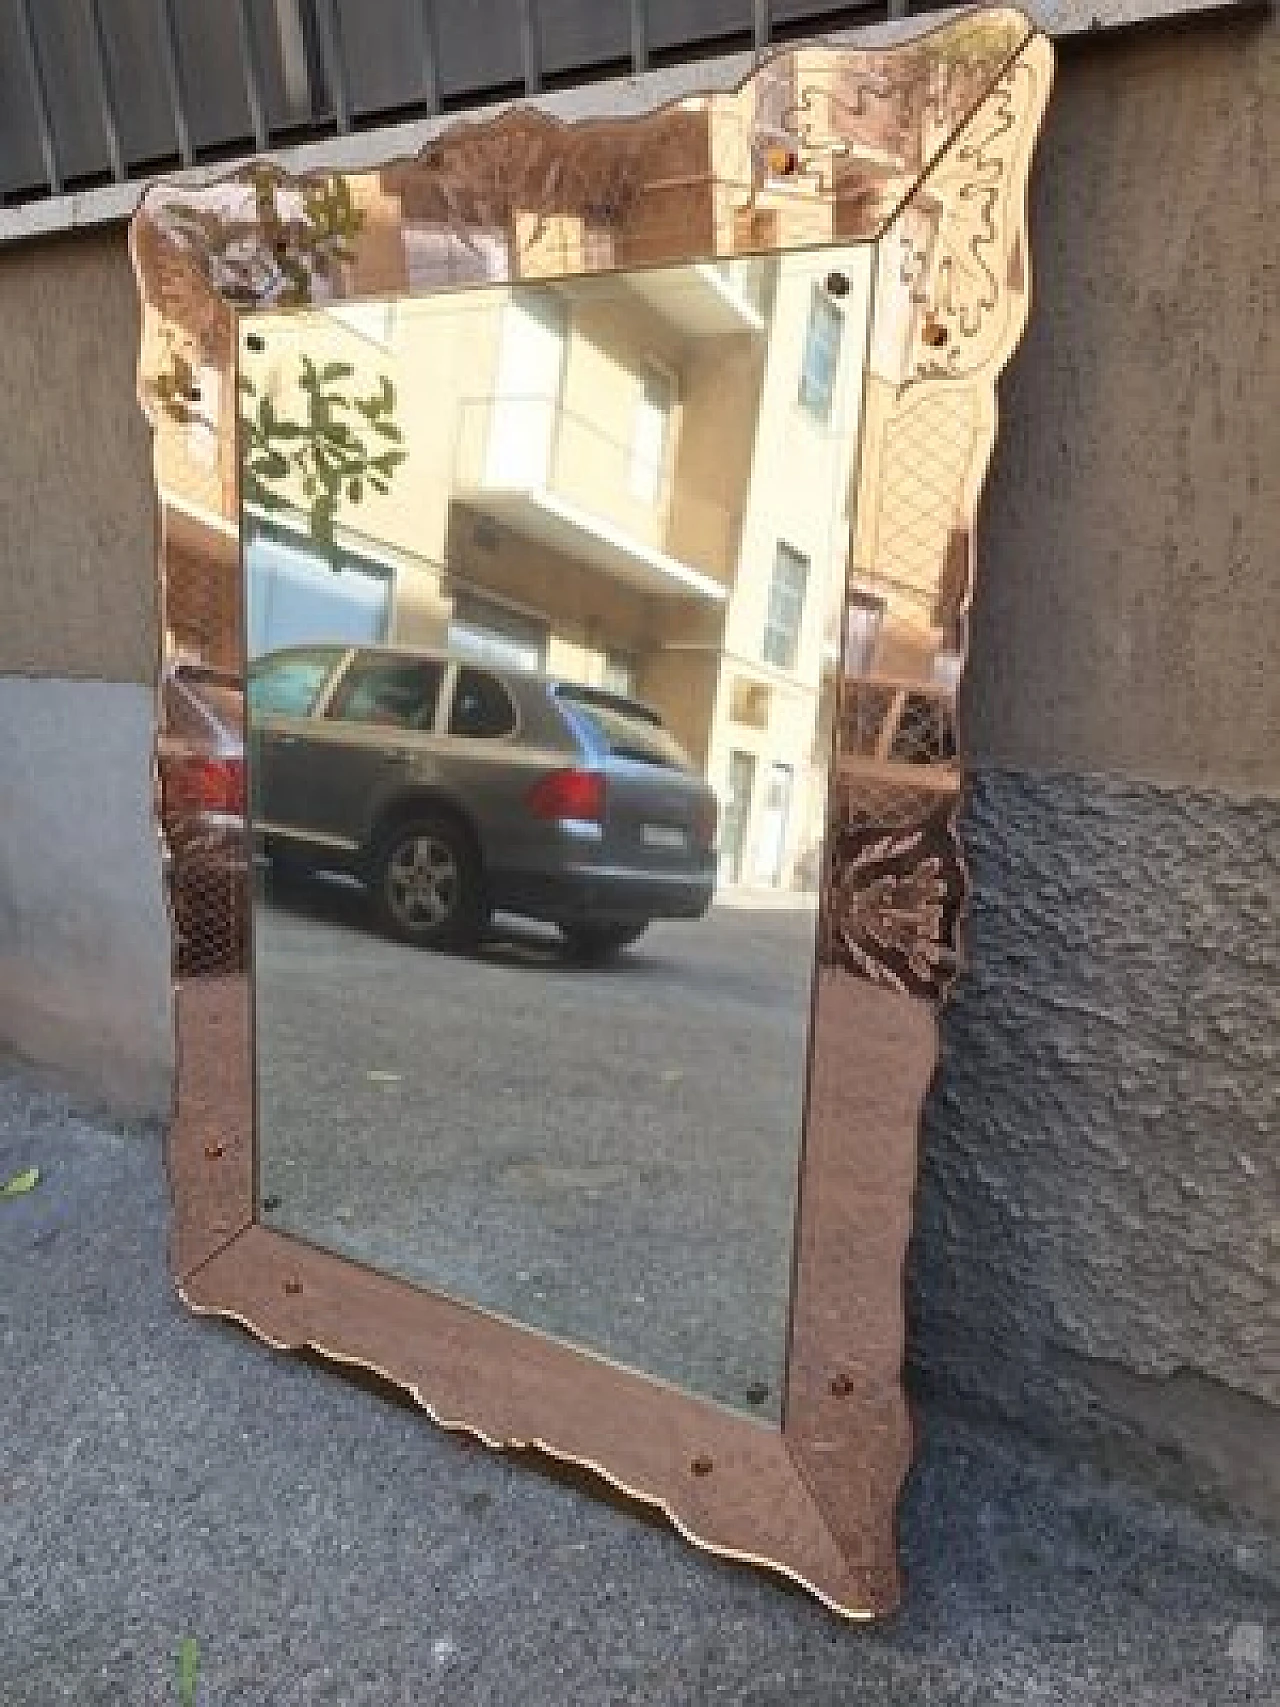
x,y
892,907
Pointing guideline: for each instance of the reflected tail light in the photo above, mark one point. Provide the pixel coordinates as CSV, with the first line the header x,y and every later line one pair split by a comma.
x,y
208,785
568,796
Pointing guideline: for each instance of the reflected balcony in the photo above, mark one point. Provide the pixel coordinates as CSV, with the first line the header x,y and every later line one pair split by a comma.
x,y
714,299
898,757
543,473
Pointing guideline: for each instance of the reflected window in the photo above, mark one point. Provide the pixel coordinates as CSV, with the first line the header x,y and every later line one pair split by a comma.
x,y
481,707
619,673
526,402
394,693
786,607
821,355
863,622
289,684
652,430
623,729
868,717
493,634
298,595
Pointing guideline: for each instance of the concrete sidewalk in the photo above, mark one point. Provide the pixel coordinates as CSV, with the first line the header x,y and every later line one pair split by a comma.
x,y
164,1477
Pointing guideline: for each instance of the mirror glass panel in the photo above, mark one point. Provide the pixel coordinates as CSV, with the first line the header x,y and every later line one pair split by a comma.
x,y
544,605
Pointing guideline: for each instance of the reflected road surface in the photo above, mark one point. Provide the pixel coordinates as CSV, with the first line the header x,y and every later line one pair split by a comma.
x,y
607,1154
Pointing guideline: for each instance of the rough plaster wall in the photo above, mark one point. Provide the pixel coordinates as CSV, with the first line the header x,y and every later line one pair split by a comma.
x,y
84,939
1099,1235
77,516
1129,600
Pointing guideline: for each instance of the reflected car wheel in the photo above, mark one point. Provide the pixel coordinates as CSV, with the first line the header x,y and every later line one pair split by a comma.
x,y
427,884
600,942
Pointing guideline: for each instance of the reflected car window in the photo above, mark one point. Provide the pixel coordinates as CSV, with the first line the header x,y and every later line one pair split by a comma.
x,y
625,732
289,686
199,705
480,707
214,693
183,716
395,693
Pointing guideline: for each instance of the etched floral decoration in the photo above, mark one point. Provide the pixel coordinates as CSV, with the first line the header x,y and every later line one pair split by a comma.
x,y
892,907
526,161
264,240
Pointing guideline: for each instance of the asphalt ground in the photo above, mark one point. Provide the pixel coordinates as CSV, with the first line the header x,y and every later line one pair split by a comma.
x,y
608,1154
164,1478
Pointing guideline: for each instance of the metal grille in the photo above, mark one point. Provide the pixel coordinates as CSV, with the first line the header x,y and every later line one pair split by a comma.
x,y
100,91
898,755
904,723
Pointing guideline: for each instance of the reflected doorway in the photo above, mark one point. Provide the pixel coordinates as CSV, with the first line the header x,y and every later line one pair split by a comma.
x,y
737,815
771,838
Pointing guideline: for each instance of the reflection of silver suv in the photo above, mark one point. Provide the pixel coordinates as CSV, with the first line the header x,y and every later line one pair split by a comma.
x,y
454,790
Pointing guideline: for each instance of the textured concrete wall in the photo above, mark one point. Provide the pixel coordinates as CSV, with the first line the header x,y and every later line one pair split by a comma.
x,y
83,933
84,956
1098,1251
1098,1240
1100,1182
77,515
1129,600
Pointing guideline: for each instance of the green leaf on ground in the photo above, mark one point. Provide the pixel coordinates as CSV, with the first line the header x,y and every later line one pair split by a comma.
x,y
21,1183
188,1670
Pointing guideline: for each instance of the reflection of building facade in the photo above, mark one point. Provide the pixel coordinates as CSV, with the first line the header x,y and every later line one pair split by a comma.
x,y
641,485
581,489
596,464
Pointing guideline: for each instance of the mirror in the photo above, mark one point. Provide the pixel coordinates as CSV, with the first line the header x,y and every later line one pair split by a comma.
x,y
566,544
544,589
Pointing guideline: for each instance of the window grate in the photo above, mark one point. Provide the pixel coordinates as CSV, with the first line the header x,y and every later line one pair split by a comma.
x,y
209,83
